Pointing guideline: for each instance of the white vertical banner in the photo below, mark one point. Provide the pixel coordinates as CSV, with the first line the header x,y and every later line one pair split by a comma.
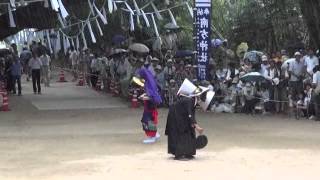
x,y
202,32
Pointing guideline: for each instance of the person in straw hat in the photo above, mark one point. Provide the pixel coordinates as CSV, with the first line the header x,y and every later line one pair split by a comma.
x,y
151,99
181,124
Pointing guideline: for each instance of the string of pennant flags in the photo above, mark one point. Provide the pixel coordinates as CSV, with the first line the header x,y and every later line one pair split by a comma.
x,y
95,13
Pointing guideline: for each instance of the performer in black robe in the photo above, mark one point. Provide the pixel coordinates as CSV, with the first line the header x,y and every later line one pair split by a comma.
x,y
180,128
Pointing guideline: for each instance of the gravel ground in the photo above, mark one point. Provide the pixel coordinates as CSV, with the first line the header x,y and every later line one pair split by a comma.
x,y
104,142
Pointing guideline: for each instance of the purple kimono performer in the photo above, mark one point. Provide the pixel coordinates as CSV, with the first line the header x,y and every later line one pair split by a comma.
x,y
151,99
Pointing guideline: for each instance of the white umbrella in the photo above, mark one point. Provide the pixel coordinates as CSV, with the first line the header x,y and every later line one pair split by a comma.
x,y
287,62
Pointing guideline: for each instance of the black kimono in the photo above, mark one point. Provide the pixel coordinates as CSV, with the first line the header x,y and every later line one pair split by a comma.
x,y
181,134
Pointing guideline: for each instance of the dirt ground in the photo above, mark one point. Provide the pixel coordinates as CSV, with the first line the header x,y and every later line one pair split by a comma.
x,y
43,138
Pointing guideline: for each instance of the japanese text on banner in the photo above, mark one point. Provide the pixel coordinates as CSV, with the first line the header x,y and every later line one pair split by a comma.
x,y
202,30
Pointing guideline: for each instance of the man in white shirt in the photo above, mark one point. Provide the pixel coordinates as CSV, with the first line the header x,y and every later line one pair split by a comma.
x,y
311,61
296,71
74,62
316,80
272,74
316,96
265,65
35,65
45,60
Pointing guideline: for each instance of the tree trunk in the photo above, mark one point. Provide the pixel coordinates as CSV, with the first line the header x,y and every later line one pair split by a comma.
x,y
311,12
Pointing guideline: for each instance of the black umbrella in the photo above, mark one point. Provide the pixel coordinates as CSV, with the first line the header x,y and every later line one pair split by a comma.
x,y
253,77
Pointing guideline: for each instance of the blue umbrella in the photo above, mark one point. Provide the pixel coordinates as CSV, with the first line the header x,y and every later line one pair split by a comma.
x,y
117,39
253,56
216,42
184,53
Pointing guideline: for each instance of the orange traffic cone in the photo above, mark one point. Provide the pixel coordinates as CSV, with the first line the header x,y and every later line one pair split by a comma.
x,y
98,85
61,77
116,92
81,80
5,103
2,86
112,86
134,101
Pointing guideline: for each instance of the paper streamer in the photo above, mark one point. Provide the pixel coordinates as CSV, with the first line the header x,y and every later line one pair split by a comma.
x,y
102,17
11,19
104,12
189,9
91,8
68,42
61,21
64,44
155,26
84,41
63,10
99,28
136,7
115,7
172,18
49,41
77,43
54,5
131,22
156,11
46,4
138,19
93,38
145,18
13,3
58,43
72,43
23,3
110,6
129,8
